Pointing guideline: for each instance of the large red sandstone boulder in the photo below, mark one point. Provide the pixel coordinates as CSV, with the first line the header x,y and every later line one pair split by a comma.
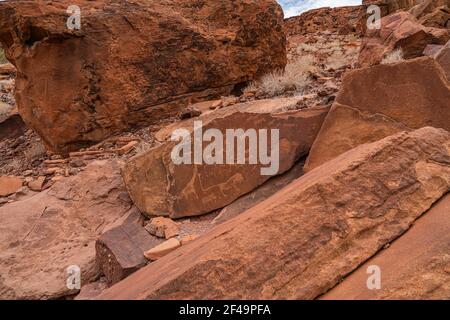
x,y
378,101
303,240
132,63
159,185
399,31
41,236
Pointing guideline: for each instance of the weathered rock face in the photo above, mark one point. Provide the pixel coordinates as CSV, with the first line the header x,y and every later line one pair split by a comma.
x,y
42,236
415,266
418,8
443,58
158,186
432,13
399,30
300,242
342,20
132,62
378,101
260,194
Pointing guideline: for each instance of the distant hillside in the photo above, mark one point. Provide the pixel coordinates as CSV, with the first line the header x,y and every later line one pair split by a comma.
x,y
295,7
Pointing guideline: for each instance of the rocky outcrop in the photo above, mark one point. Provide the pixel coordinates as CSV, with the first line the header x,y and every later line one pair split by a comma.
x,y
378,101
131,63
160,186
415,266
300,242
341,20
418,8
399,31
40,237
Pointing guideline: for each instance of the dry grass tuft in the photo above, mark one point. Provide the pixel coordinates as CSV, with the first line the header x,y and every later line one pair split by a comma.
x,y
393,57
2,57
293,79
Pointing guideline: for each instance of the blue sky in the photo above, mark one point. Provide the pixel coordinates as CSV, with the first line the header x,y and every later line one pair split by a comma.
x,y
295,7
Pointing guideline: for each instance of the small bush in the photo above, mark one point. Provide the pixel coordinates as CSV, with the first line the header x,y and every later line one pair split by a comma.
x,y
393,57
294,78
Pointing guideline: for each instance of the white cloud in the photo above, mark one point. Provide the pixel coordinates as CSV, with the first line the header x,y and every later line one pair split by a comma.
x,y
295,7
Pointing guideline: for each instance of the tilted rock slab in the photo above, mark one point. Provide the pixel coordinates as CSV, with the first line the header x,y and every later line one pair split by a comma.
x,y
40,237
132,62
415,266
300,242
379,101
158,186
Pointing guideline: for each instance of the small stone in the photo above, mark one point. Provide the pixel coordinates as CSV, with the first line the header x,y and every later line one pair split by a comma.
x,y
216,105
128,147
190,113
77,163
188,238
162,249
28,173
53,170
163,227
38,184
56,178
229,101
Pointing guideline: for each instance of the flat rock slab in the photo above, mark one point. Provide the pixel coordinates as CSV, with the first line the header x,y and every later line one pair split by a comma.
x,y
415,266
301,241
379,101
158,186
42,236
9,185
